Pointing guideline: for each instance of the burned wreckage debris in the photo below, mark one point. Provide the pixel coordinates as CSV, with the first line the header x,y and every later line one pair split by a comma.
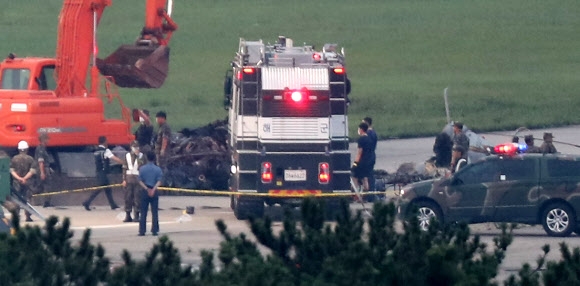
x,y
199,158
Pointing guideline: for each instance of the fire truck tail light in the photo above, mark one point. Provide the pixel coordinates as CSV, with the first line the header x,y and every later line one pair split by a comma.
x,y
339,70
248,70
323,173
266,172
296,96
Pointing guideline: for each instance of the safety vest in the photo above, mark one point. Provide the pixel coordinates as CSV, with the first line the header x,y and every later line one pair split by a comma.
x,y
101,162
132,167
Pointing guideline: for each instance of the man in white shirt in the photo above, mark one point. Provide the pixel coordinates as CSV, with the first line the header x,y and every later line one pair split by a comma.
x,y
133,161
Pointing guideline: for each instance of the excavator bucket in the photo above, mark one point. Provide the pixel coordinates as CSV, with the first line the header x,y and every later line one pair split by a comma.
x,y
137,66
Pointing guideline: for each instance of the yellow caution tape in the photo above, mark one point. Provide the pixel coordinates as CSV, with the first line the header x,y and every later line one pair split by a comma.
x,y
76,190
223,193
274,195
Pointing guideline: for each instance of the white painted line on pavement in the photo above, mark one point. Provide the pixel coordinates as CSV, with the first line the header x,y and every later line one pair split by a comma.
x,y
118,225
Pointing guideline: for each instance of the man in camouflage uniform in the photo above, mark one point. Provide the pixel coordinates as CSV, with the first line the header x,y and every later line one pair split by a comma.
x,y
133,161
22,168
45,175
529,139
163,140
548,145
459,139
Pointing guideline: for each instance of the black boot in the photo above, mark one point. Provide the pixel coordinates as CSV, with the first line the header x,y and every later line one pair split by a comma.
x,y
136,215
128,217
28,218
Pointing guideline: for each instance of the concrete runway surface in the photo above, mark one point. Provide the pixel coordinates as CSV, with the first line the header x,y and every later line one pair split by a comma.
x,y
191,234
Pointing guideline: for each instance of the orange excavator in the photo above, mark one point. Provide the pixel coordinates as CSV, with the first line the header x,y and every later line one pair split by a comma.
x,y
65,96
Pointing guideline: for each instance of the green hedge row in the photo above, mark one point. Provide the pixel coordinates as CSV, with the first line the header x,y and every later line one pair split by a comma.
x,y
307,251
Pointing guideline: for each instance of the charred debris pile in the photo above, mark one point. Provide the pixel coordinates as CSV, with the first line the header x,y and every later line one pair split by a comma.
x,y
200,158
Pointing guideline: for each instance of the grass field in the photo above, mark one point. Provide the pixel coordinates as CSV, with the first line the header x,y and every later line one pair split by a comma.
x,y
507,63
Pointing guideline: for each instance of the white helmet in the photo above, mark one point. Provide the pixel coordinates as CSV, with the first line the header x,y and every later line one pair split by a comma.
x,y
22,145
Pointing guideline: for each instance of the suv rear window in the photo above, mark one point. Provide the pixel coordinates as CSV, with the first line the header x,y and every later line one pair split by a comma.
x,y
515,170
559,167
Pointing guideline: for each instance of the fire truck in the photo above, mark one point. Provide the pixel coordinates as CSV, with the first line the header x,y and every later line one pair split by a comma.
x,y
287,123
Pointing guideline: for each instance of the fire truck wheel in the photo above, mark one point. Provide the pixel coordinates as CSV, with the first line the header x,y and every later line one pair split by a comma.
x,y
245,208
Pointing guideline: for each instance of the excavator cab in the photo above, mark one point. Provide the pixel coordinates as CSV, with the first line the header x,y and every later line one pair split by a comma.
x,y
142,65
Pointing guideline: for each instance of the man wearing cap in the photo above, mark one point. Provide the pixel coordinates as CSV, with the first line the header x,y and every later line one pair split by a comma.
x,y
529,139
548,145
43,160
133,161
22,168
163,139
144,133
459,139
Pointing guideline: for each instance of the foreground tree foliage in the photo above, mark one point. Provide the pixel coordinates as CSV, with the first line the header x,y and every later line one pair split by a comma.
x,y
307,251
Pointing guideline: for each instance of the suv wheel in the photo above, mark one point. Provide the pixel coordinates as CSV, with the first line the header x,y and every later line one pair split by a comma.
x,y
426,211
558,220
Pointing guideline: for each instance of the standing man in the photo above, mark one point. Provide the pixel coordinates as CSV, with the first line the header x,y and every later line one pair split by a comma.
x,y
459,139
144,133
163,139
374,139
548,145
43,160
22,168
362,166
150,179
103,157
133,161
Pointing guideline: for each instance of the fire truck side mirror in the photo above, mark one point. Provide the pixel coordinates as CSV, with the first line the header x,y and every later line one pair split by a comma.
x,y
228,89
348,87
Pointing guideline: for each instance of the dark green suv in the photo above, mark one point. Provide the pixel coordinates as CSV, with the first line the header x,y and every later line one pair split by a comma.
x,y
523,188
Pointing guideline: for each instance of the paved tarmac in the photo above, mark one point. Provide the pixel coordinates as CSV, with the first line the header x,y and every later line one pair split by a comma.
x,y
191,234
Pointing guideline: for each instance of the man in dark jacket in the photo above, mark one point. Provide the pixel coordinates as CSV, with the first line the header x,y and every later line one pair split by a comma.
x,y
363,163
103,156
